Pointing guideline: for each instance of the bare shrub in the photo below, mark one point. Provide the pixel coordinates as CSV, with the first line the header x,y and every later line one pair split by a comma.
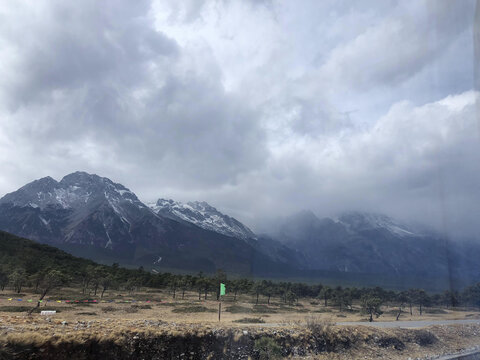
x,y
193,309
141,307
424,337
237,309
248,320
317,325
131,310
267,349
107,309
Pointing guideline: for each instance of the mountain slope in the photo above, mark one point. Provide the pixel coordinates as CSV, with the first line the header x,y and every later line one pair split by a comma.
x,y
370,243
80,209
16,252
203,215
207,217
92,216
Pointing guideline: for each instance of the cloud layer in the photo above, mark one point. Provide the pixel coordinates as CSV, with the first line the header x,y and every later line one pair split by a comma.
x,y
260,107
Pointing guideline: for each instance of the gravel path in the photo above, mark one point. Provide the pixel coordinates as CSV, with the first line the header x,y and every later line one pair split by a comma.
x,y
409,324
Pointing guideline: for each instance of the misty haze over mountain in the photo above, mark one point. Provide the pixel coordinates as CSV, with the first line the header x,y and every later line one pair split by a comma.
x,y
94,217
261,108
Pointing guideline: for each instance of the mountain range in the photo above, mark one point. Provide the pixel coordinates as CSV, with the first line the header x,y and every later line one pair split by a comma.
x,y
94,217
374,243
91,216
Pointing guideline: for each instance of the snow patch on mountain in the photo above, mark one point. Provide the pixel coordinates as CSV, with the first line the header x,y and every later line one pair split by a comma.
x,y
359,221
202,215
72,192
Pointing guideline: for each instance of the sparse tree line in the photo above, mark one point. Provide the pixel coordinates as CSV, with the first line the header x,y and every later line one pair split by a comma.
x,y
41,268
96,280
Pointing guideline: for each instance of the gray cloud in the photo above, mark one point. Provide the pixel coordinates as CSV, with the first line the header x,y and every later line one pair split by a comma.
x,y
261,108
417,162
104,79
400,45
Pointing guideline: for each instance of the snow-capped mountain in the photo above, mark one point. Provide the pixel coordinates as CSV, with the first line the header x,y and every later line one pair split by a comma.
x,y
81,208
360,221
203,215
359,242
91,216
72,192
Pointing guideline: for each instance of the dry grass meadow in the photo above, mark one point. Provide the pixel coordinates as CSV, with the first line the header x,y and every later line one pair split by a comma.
x,y
178,317
190,310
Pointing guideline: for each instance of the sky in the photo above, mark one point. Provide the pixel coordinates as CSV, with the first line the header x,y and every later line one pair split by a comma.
x,y
261,108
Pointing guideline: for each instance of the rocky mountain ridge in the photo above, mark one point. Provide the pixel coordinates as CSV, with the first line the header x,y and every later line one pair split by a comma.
x,y
94,217
203,215
359,242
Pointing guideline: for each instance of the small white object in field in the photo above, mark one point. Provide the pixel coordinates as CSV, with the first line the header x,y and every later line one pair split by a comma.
x,y
49,312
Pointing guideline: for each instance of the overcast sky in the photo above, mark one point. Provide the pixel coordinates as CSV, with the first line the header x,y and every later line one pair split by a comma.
x,y
261,108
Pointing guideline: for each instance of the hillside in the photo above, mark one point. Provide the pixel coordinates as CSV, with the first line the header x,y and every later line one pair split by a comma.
x,y
17,252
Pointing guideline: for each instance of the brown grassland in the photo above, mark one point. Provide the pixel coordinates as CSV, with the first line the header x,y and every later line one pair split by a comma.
x,y
305,329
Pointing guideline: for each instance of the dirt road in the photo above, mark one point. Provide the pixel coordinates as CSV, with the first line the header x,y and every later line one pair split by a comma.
x,y
409,324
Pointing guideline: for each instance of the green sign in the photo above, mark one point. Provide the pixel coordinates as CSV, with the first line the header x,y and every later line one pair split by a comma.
x,y
222,289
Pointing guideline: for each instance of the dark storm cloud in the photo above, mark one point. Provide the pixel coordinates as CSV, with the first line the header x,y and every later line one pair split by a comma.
x,y
102,75
66,46
417,163
400,45
261,108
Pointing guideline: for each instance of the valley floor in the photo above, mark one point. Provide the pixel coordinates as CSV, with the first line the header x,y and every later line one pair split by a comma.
x,y
155,326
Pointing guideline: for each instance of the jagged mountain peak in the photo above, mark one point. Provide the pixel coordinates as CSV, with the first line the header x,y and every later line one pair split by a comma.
x,y
203,206
44,183
46,180
361,242
82,177
163,202
352,221
30,193
94,216
306,226
73,191
204,215
198,205
97,210
88,212
360,221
